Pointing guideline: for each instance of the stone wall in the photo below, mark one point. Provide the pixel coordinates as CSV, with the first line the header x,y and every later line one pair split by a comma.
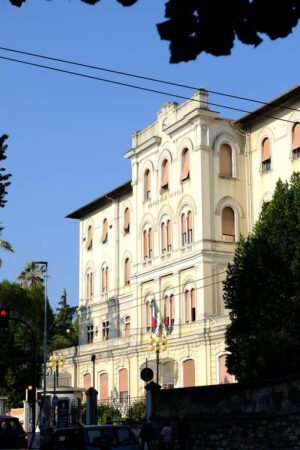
x,y
232,416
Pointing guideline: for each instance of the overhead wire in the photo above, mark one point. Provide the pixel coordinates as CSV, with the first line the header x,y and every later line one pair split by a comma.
x,y
141,77
119,83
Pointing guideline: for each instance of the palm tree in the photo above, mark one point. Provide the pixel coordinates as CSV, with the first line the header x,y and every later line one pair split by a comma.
x,y
4,244
32,275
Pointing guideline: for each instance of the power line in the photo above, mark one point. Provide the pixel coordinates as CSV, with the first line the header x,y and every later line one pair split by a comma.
x,y
141,77
182,97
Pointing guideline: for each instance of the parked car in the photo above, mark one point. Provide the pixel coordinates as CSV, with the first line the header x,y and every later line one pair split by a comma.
x,y
12,434
91,437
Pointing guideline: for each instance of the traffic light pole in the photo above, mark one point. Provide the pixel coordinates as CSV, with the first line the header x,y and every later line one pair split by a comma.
x,y
34,375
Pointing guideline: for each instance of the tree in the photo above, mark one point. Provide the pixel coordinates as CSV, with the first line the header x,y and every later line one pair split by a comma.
x,y
195,26
262,291
3,177
65,333
16,345
4,244
32,275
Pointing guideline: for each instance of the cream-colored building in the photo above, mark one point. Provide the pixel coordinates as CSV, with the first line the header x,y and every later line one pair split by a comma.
x,y
198,181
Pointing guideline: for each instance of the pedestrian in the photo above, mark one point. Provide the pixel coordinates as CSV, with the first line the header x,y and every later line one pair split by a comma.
x,y
146,434
166,434
182,433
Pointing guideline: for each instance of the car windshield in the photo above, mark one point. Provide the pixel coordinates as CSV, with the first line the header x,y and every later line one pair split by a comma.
x,y
10,425
111,436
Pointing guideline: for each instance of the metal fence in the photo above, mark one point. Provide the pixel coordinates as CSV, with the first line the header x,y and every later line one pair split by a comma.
x,y
120,409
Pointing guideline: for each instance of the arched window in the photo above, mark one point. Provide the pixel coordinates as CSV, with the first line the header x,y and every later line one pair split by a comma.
x,y
104,388
186,227
296,141
123,384
224,376
104,236
127,326
169,311
166,235
185,172
189,373
228,228
147,184
126,225
165,175
127,271
169,235
104,272
147,242
189,304
89,284
266,155
86,382
89,244
225,160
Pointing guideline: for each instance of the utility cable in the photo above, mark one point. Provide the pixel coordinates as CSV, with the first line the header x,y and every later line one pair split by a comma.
x,y
141,77
182,97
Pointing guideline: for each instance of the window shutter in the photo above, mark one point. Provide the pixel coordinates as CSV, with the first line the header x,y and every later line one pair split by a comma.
x,y
167,306
103,279
150,238
266,147
186,166
88,285
148,315
104,233
225,160
189,373
193,297
169,233
296,136
228,221
123,380
126,221
106,278
183,223
224,376
190,220
187,307
87,381
127,326
104,388
90,237
91,284
163,236
172,307
145,244
165,178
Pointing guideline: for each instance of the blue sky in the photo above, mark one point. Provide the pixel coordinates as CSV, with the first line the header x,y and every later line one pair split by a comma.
x,y
67,134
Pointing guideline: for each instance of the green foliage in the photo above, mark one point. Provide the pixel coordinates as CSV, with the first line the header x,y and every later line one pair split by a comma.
x,y
4,177
32,275
16,346
4,244
103,412
137,412
262,291
65,332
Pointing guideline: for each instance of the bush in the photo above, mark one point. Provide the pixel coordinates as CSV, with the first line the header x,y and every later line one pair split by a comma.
x,y
137,412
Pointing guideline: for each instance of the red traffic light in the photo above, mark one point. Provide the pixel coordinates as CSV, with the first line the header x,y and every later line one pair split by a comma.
x,y
4,317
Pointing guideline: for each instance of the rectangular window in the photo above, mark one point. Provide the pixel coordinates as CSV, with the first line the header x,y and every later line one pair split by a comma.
x,y
296,153
266,165
105,330
90,333
123,397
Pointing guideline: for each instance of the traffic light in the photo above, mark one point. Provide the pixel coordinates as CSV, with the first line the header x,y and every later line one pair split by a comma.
x,y
4,317
30,394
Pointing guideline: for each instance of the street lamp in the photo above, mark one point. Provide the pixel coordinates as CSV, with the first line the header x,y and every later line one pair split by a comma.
x,y
56,361
158,342
44,263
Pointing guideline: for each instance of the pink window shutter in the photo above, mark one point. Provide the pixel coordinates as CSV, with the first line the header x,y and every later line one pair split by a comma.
x,y
189,373
225,161
90,237
266,154
183,223
296,136
165,178
187,307
169,233
228,221
163,236
123,380
127,326
104,233
126,221
193,297
172,307
167,306
148,176
148,315
145,244
104,388
224,376
186,166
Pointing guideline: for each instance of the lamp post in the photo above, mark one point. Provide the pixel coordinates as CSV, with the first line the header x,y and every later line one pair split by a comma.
x,y
44,263
56,361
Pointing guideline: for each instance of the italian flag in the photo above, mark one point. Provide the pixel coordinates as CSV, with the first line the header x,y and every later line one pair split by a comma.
x,y
154,315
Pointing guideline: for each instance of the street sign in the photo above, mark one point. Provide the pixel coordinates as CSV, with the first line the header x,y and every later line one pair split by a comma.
x,y
54,400
147,374
165,386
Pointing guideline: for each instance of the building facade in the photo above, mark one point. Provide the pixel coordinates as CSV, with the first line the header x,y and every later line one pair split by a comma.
x,y
161,243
